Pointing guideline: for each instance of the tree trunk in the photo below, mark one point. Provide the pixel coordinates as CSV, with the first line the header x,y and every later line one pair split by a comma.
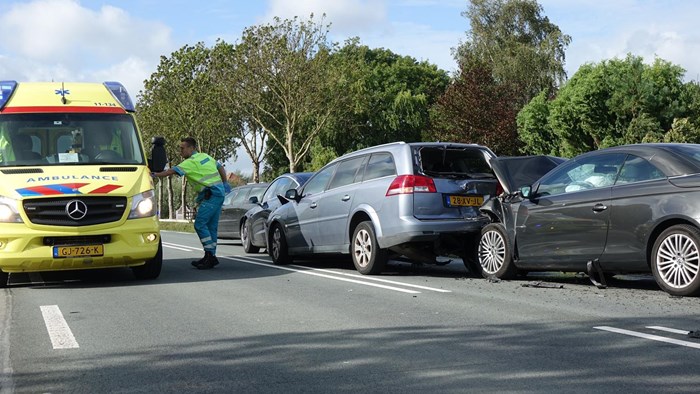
x,y
256,171
171,202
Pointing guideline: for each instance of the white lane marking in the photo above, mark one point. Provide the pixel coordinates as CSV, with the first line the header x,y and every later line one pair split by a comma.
x,y
377,279
59,332
649,336
357,276
179,247
309,272
673,330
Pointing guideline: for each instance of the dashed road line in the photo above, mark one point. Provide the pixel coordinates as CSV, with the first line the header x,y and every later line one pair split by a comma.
x,y
671,330
658,338
59,332
179,247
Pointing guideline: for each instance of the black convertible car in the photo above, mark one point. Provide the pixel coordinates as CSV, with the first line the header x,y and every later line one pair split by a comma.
x,y
627,209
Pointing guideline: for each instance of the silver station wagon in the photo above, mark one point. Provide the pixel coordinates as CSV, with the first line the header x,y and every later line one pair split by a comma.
x,y
416,200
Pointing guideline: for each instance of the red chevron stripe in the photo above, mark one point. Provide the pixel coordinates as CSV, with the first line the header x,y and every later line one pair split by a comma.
x,y
105,189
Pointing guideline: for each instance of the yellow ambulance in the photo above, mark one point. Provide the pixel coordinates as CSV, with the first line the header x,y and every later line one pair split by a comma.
x,y
75,186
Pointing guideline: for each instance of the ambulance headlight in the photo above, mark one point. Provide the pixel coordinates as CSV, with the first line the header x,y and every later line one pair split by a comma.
x,y
143,205
8,211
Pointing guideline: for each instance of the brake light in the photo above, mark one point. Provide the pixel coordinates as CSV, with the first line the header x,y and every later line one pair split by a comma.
x,y
409,184
499,189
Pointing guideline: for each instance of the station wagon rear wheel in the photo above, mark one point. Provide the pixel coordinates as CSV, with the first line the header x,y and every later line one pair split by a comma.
x,y
368,257
278,246
676,260
495,253
246,241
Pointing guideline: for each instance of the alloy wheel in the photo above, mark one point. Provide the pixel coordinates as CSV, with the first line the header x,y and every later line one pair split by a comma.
x,y
362,248
492,252
678,260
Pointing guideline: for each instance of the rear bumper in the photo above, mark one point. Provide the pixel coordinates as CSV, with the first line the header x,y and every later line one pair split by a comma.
x,y
410,229
22,248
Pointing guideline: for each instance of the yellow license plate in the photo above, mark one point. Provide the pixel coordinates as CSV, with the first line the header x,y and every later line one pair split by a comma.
x,y
466,201
78,251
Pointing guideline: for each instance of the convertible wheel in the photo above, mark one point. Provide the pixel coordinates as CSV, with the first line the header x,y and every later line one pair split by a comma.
x,y
246,241
278,246
368,258
494,253
676,260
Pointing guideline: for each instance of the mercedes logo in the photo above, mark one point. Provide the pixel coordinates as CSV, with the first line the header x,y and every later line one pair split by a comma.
x,y
76,209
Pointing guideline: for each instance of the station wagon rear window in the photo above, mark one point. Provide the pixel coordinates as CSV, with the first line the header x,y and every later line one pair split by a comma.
x,y
454,162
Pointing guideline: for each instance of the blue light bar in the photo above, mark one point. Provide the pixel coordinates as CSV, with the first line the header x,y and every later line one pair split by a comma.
x,y
120,93
6,90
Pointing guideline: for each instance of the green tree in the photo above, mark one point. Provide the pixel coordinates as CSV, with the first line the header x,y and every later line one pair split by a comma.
x,y
534,129
225,69
390,98
286,85
614,102
521,45
177,102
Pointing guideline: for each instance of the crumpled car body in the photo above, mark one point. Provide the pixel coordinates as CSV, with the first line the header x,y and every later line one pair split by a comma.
x,y
626,209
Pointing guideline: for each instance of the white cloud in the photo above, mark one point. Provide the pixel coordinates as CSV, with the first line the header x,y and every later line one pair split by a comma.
x,y
66,41
347,16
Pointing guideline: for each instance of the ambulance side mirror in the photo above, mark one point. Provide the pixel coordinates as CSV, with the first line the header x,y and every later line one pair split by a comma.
x,y
158,158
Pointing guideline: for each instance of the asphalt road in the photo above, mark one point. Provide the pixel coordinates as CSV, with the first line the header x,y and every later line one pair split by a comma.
x,y
317,326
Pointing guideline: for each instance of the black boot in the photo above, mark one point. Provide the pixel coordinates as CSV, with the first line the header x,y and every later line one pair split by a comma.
x,y
197,263
209,261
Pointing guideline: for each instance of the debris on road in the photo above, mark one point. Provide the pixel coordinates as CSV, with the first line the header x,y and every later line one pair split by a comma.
x,y
545,285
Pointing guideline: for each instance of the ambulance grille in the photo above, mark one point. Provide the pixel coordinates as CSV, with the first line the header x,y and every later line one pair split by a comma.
x,y
23,171
55,211
118,169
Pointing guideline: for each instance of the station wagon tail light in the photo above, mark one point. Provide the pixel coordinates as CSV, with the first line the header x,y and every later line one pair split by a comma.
x,y
409,184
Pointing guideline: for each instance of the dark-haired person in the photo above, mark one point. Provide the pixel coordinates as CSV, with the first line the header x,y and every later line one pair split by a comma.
x,y
209,180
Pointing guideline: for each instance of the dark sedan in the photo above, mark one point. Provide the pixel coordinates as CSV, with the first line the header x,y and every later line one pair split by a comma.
x,y
236,204
627,209
253,226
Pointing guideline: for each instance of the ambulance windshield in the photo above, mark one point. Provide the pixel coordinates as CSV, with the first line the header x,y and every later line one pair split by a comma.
x,y
49,139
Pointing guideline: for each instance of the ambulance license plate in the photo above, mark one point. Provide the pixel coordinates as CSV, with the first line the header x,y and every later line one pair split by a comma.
x,y
78,251
465,201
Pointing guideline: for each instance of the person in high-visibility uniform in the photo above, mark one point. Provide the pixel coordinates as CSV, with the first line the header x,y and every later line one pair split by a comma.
x,y
209,180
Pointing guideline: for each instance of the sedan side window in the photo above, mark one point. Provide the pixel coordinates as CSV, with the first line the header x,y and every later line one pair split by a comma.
x,y
240,196
637,169
318,183
270,192
588,173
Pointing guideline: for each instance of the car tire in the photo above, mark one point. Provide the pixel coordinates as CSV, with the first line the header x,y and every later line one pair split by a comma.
x,y
367,256
278,250
151,269
247,243
675,260
495,258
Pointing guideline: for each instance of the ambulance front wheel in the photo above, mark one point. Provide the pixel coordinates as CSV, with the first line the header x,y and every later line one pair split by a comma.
x,y
151,269
4,278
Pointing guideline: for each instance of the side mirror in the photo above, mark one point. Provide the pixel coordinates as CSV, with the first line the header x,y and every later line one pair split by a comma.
x,y
253,200
525,191
292,194
158,157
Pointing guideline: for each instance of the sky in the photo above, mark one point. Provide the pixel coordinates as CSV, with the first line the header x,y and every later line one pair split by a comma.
x,y
100,40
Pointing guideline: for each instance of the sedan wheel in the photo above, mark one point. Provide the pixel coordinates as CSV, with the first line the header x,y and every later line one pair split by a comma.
x,y
368,258
495,253
278,246
246,241
676,260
